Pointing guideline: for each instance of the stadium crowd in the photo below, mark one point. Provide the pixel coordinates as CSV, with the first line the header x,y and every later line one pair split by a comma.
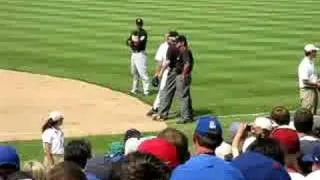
x,y
276,147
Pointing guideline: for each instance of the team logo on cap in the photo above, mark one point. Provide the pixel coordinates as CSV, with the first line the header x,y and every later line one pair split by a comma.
x,y
212,125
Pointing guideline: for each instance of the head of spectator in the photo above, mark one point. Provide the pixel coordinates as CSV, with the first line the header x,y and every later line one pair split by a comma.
x,y
268,147
144,166
182,42
208,135
313,158
179,140
21,175
55,120
280,115
289,141
161,149
66,170
132,133
78,151
36,169
255,166
9,161
303,121
262,127
310,50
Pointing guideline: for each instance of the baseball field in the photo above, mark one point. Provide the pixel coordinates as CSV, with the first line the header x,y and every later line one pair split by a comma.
x,y
246,55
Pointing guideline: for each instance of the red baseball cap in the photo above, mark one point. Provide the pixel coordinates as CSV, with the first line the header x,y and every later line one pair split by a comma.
x,y
288,138
162,149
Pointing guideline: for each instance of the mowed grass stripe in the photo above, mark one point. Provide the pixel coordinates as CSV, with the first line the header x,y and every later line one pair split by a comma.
x,y
92,32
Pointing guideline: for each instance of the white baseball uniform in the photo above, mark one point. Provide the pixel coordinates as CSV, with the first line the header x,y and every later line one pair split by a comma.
x,y
139,65
161,57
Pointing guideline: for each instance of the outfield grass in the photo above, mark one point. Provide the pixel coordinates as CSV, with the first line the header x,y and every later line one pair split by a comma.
x,y
246,52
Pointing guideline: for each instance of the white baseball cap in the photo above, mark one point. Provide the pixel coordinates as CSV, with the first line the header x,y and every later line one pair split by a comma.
x,y
55,116
310,47
263,123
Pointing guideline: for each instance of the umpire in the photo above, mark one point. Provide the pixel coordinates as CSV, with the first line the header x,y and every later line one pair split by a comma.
x,y
178,80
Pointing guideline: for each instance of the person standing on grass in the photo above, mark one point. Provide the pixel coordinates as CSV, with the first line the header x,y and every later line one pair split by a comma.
x,y
308,79
179,79
53,140
162,68
137,41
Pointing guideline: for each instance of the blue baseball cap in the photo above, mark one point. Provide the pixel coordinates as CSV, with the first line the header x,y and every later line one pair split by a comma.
x,y
257,166
207,124
314,157
9,156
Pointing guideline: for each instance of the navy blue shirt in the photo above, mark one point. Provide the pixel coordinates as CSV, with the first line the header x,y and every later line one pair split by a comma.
x,y
141,45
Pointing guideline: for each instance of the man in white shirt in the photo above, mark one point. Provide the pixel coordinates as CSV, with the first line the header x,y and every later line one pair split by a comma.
x,y
308,79
162,68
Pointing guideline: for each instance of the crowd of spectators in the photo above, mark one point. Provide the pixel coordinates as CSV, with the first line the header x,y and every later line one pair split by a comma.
x,y
276,147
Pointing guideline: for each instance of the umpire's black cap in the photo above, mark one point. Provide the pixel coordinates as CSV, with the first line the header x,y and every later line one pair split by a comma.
x,y
173,34
182,38
139,22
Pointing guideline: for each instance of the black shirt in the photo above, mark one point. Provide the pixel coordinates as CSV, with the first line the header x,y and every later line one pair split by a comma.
x,y
143,38
184,57
172,55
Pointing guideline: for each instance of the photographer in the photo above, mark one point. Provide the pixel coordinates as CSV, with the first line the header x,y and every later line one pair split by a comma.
x,y
247,134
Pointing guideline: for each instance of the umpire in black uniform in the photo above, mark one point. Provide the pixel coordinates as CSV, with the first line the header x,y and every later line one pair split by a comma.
x,y
179,81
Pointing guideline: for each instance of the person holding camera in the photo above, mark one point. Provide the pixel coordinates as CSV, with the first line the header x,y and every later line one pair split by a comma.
x,y
248,133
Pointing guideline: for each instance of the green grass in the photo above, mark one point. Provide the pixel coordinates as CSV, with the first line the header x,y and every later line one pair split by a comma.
x,y
246,52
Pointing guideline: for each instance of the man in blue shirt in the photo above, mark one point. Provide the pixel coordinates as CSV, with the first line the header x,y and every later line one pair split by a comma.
x,y
205,165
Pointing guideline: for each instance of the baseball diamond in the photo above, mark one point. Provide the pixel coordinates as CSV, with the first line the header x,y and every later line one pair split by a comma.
x,y
73,58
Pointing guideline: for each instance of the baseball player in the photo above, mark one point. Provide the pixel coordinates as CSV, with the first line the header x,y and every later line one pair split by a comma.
x,y
162,70
137,41
179,79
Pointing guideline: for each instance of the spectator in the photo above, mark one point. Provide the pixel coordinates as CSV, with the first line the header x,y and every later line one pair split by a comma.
x,y
141,166
207,137
99,167
132,139
9,161
179,140
224,151
261,128
280,116
161,149
255,166
36,169
53,139
66,171
289,140
20,175
269,148
78,152
303,122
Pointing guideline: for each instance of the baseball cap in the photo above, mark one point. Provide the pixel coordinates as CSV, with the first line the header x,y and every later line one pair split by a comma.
x,y
223,151
161,149
139,22
314,157
132,133
207,124
288,138
181,38
55,116
9,156
310,47
132,144
257,166
263,123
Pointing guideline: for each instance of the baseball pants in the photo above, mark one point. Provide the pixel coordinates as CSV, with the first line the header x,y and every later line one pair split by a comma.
x,y
309,99
177,84
139,71
156,103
